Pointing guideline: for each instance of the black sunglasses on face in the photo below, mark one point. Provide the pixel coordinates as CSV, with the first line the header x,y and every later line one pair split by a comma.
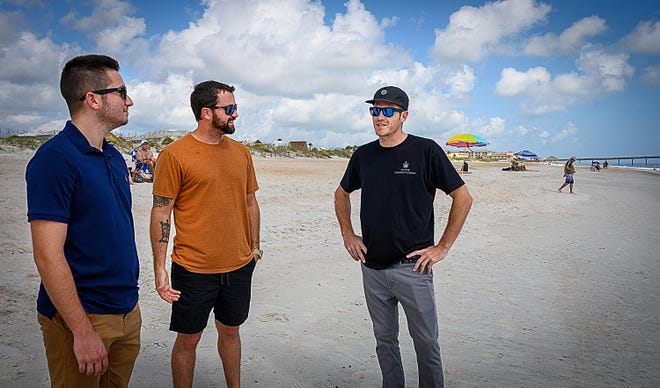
x,y
387,112
229,109
122,91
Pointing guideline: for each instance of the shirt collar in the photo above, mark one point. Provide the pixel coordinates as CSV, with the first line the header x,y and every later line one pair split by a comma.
x,y
79,140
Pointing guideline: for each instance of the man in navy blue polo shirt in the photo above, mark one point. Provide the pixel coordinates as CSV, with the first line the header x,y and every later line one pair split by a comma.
x,y
399,175
79,209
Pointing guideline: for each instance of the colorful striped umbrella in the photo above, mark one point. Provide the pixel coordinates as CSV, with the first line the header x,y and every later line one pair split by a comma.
x,y
466,140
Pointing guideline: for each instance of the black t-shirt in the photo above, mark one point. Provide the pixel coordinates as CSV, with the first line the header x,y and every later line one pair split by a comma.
x,y
398,188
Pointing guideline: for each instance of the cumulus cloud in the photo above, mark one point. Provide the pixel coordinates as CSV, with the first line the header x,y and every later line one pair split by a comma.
x,y
462,81
280,47
29,81
651,75
492,127
598,74
110,26
475,32
645,39
570,40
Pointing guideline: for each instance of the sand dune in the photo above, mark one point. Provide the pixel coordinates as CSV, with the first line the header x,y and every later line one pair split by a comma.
x,y
541,289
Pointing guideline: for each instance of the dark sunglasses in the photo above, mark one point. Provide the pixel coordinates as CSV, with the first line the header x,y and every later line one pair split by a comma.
x,y
122,91
229,109
387,112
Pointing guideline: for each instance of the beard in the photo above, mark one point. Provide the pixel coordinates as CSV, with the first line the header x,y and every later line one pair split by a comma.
x,y
227,127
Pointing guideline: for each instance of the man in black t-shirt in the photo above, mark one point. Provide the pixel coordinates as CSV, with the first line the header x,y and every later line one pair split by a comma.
x,y
399,175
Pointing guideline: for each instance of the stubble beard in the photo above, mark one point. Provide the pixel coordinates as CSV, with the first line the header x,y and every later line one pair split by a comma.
x,y
111,119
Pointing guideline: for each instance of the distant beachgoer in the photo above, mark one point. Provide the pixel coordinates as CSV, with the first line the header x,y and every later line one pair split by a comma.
x,y
464,169
605,164
145,156
569,170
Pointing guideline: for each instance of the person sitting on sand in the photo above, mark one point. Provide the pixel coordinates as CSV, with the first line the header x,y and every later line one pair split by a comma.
x,y
145,156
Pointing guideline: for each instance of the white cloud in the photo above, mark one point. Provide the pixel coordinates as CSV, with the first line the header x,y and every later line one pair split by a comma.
x,y
571,39
109,25
599,74
24,59
163,105
389,22
651,75
475,32
462,81
493,127
29,81
568,133
280,47
515,83
645,39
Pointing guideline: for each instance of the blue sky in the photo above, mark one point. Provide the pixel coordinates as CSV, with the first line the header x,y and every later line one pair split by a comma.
x,y
558,77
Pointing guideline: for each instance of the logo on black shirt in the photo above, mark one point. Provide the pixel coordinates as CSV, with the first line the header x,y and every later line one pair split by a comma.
x,y
405,169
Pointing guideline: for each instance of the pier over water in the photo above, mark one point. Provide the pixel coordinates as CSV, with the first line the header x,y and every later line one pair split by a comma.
x,y
642,161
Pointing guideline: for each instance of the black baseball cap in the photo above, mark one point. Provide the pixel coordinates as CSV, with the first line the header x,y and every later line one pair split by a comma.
x,y
391,94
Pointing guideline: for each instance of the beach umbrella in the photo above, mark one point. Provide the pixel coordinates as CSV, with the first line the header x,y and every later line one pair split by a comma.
x,y
466,140
527,154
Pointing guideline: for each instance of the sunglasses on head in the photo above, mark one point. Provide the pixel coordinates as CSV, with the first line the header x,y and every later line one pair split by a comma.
x,y
229,109
122,91
387,112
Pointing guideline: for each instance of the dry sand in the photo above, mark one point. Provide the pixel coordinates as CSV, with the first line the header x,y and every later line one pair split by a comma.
x,y
541,289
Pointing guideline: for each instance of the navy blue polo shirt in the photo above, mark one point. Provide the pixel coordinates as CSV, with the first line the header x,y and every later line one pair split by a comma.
x,y
71,182
398,189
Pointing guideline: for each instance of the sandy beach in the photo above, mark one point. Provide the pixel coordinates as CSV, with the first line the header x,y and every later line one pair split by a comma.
x,y
542,288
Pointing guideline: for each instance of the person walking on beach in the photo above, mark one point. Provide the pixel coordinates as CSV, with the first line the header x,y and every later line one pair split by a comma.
x,y
208,181
569,170
398,175
79,209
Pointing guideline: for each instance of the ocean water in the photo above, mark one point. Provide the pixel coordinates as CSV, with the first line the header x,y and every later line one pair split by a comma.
x,y
639,163
650,165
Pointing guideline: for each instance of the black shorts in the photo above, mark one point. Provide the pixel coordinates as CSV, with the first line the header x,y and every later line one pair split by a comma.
x,y
228,294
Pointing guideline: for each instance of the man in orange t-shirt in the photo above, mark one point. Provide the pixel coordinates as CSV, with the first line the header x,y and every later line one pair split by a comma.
x,y
208,181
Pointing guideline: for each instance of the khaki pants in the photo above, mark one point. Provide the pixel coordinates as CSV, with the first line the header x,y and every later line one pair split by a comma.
x,y
120,334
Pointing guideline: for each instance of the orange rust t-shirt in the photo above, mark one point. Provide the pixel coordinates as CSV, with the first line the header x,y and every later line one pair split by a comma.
x,y
209,184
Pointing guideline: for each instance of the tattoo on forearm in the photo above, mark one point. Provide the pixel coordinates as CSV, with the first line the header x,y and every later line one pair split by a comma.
x,y
164,231
161,201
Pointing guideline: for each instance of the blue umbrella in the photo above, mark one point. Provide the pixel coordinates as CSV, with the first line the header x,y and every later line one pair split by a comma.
x,y
527,154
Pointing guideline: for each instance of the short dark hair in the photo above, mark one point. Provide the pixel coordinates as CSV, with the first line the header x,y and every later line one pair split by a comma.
x,y
205,95
83,74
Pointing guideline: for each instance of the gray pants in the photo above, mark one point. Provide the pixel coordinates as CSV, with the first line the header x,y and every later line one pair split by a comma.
x,y
383,290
